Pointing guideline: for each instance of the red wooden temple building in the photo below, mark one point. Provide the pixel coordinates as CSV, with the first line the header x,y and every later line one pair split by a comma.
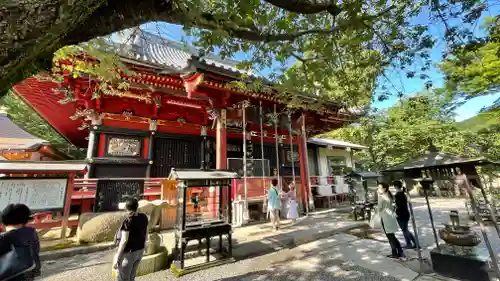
x,y
177,112
17,144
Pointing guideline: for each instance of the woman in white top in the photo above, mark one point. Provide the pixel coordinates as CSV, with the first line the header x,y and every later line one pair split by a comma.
x,y
292,203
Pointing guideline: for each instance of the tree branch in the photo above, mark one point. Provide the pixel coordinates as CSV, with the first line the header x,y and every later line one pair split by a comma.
x,y
32,31
251,33
307,6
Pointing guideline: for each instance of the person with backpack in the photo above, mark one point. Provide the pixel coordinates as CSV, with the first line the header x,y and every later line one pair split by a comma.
x,y
274,202
132,241
19,245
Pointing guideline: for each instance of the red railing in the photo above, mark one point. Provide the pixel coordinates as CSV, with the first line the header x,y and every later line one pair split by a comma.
x,y
256,188
318,180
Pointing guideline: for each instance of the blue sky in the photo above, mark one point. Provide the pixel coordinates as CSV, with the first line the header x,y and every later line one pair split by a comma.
x,y
395,80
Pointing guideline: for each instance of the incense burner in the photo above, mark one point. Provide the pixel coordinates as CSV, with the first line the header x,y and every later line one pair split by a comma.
x,y
458,235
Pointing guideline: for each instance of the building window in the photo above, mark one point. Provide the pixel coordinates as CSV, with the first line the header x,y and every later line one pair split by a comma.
x,y
336,165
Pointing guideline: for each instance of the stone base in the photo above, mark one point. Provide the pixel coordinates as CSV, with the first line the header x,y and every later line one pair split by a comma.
x,y
473,267
153,263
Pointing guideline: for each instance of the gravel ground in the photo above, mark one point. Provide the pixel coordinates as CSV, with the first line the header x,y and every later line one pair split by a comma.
x,y
287,264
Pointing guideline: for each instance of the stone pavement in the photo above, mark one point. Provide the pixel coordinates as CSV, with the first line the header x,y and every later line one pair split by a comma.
x,y
248,242
330,255
339,257
440,210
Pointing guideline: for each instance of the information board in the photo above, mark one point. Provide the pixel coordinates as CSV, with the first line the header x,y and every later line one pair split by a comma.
x,y
39,194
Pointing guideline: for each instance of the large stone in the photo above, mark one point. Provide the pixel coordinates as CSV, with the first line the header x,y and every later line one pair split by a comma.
x,y
99,227
153,263
151,208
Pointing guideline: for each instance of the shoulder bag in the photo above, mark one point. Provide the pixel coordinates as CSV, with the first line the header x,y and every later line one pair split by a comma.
x,y
15,262
375,220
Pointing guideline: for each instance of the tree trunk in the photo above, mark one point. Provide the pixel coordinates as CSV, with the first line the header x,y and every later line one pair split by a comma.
x,y
31,31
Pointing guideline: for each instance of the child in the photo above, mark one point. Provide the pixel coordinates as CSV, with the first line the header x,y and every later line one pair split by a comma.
x,y
273,201
292,204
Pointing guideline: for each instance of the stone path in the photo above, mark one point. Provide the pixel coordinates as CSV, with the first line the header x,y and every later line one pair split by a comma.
x,y
440,210
340,257
331,257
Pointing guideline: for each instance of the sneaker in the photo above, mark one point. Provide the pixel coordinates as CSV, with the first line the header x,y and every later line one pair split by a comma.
x,y
392,256
410,247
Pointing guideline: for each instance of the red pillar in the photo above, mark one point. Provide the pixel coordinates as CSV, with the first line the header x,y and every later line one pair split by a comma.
x,y
304,169
67,204
221,141
221,159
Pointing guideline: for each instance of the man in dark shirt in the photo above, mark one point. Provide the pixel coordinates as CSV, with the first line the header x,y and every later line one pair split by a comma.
x,y
16,217
132,242
403,214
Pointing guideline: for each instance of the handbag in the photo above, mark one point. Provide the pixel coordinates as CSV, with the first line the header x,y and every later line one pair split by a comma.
x,y
15,262
375,221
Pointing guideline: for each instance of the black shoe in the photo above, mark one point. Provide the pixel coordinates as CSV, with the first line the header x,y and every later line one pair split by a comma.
x,y
410,247
392,256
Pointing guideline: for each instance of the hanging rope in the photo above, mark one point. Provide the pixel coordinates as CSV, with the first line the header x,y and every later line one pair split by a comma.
x,y
309,202
262,152
244,105
275,120
292,155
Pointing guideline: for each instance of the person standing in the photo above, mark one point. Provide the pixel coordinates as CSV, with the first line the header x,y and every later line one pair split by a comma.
x,y
15,217
274,202
133,233
292,213
388,219
403,214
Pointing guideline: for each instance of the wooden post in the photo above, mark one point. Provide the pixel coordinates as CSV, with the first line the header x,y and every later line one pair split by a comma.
x,y
304,171
221,159
492,253
221,141
415,230
436,239
67,205
492,210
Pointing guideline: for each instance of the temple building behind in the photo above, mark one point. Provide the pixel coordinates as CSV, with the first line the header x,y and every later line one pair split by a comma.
x,y
17,144
178,111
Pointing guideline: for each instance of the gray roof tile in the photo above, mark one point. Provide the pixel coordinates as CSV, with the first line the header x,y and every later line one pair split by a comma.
x,y
145,46
10,130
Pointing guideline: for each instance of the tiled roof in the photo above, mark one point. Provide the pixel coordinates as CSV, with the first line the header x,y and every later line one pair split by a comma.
x,y
436,159
38,94
147,47
14,137
335,143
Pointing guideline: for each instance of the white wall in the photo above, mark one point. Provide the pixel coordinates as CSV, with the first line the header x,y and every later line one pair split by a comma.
x,y
323,153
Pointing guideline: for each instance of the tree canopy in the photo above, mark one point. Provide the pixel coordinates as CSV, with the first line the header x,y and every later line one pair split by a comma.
x,y
473,69
337,48
404,131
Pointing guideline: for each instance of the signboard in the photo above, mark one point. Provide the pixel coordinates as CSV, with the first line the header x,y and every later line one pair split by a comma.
x,y
41,194
124,147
